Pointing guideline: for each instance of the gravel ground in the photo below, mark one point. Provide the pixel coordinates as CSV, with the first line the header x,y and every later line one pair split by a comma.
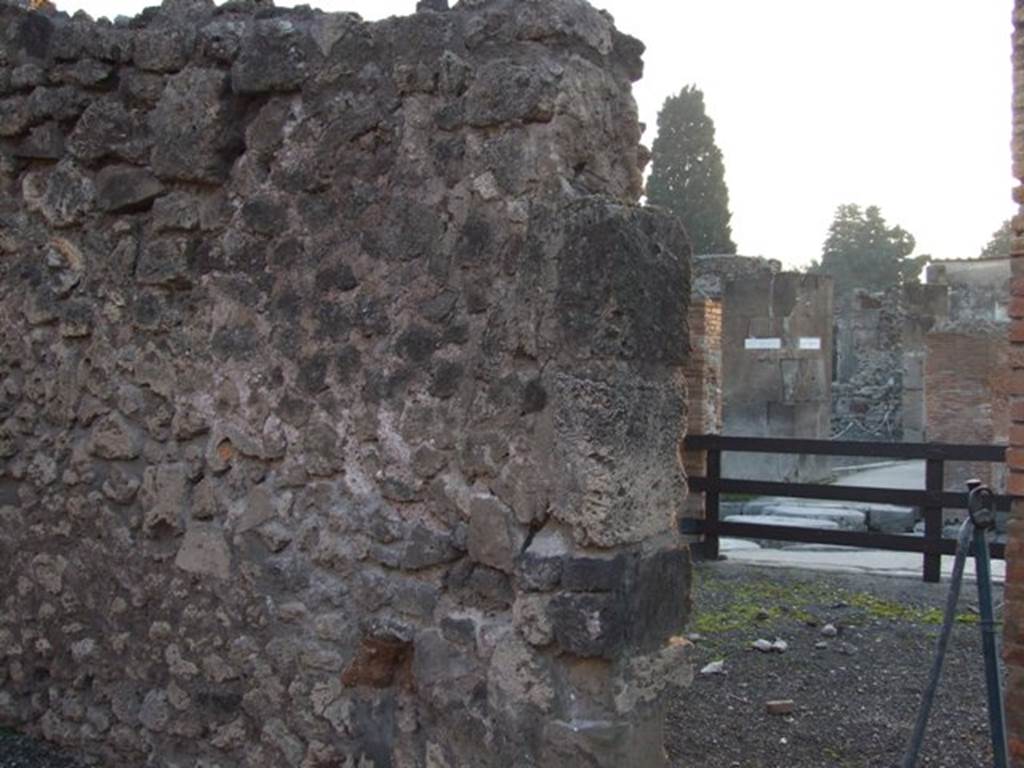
x,y
855,700
18,751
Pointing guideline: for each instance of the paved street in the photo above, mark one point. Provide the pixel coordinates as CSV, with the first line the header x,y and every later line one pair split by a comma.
x,y
907,474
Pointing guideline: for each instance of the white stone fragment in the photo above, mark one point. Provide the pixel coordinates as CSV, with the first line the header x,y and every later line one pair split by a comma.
x,y
714,668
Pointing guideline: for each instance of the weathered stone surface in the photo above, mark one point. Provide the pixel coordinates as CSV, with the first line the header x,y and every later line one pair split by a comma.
x,y
162,495
14,115
594,574
64,195
659,602
273,57
530,613
120,486
603,743
644,678
616,492
166,262
121,189
494,537
518,678
540,567
48,572
194,138
340,390
424,547
589,624
204,552
504,92
87,73
108,128
44,142
377,662
114,438
164,49
61,103
155,711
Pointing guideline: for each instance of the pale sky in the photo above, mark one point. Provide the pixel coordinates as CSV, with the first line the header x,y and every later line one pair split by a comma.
x,y
904,104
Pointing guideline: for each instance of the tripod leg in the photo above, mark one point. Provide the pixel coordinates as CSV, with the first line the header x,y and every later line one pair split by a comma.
x,y
993,683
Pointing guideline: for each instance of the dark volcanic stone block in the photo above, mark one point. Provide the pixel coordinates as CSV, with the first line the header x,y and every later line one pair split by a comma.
x,y
594,574
589,624
659,598
195,136
126,188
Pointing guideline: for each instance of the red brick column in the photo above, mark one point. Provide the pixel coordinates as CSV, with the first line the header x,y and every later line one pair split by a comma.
x,y
704,387
1014,611
966,378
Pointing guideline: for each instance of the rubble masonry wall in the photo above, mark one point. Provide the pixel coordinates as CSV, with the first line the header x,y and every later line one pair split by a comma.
x,y
340,389
1013,627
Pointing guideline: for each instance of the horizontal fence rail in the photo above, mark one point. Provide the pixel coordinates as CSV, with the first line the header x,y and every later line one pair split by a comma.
x,y
931,500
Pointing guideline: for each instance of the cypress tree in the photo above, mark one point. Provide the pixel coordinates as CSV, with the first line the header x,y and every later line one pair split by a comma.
x,y
687,172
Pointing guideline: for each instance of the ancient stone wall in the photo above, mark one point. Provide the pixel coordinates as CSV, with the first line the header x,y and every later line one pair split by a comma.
x,y
776,358
776,369
868,376
1013,627
340,389
712,272
924,307
878,393
979,289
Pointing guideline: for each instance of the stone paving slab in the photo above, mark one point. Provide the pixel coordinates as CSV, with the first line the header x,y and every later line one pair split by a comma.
x,y
846,560
845,519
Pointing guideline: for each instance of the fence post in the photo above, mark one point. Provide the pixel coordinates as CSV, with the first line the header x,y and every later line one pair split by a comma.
x,y
714,474
933,484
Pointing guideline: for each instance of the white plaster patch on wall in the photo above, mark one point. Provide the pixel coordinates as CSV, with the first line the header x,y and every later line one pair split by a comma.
x,y
773,343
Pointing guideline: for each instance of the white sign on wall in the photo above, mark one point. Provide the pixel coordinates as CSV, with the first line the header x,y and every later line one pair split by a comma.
x,y
810,342
763,344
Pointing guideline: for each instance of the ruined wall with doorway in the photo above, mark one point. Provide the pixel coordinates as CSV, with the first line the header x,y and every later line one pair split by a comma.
x,y
340,389
776,360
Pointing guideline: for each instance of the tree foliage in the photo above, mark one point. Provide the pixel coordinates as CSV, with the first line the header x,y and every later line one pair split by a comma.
x,y
999,246
688,175
862,251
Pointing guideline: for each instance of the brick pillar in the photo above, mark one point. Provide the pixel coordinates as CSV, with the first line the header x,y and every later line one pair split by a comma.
x,y
1013,638
703,373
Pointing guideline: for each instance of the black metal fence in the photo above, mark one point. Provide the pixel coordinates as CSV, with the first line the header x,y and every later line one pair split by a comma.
x,y
932,500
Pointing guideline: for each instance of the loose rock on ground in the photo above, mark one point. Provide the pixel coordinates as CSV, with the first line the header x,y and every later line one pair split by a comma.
x,y
854,698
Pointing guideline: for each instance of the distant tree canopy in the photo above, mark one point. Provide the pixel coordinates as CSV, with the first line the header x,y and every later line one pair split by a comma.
x,y
687,173
999,245
862,251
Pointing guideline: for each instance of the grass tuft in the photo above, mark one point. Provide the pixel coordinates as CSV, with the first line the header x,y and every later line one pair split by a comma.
x,y
761,603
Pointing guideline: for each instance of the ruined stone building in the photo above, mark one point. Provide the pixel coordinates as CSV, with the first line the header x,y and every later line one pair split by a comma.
x,y
776,359
880,362
926,363
341,388
966,380
979,289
